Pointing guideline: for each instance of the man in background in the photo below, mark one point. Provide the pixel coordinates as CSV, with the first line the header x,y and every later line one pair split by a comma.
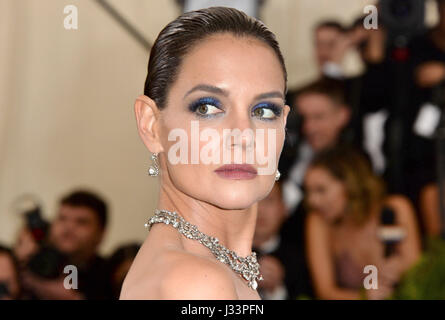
x,y
323,117
281,262
75,234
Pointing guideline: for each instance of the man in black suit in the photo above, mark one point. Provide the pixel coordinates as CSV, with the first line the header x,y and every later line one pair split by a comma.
x,y
281,261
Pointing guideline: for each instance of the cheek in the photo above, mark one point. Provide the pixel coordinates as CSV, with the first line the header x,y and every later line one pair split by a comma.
x,y
325,126
337,199
239,194
312,200
90,232
269,148
56,228
280,141
319,201
80,233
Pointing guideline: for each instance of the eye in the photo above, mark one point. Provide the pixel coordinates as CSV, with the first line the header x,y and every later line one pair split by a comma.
x,y
206,107
266,111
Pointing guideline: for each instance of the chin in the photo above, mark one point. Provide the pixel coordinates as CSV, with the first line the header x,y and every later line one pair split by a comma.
x,y
234,202
236,197
333,218
316,146
223,193
67,248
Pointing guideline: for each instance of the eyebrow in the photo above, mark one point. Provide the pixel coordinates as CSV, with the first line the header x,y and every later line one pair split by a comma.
x,y
223,92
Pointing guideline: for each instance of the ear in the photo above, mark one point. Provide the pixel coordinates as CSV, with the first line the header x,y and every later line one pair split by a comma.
x,y
147,118
286,113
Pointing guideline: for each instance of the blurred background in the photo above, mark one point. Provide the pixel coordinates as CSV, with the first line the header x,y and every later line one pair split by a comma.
x,y
68,137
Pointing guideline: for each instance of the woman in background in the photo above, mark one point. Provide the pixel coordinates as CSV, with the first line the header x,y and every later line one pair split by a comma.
x,y
343,232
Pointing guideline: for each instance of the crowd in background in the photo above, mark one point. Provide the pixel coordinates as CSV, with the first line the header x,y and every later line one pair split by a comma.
x,y
36,266
359,184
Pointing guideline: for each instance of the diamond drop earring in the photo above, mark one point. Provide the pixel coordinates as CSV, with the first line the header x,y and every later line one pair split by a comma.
x,y
277,175
153,170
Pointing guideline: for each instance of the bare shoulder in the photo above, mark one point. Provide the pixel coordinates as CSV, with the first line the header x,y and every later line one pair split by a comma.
x,y
316,231
192,277
178,275
398,200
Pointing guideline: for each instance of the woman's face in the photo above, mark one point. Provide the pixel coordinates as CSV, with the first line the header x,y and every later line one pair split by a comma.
x,y
325,194
216,93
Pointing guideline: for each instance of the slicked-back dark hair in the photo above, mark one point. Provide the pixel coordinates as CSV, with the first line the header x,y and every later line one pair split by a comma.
x,y
190,28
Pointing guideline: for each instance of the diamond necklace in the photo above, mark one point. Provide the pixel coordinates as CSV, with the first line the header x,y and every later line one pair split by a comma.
x,y
247,268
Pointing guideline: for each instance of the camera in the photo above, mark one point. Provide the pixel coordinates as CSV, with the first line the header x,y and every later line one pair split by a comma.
x,y
36,224
48,262
403,19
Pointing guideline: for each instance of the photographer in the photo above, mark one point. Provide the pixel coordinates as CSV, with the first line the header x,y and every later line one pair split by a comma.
x,y
404,66
74,237
428,76
281,261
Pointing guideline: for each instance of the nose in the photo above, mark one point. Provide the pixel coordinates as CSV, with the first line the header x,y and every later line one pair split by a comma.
x,y
239,132
68,225
312,200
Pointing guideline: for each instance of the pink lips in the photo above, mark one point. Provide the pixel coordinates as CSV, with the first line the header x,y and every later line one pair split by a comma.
x,y
237,171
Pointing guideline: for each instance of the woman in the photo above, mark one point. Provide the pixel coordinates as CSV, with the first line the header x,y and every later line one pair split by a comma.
x,y
211,72
345,228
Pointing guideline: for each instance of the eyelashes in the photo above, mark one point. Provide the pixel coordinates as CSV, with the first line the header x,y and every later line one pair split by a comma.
x,y
267,111
206,107
209,107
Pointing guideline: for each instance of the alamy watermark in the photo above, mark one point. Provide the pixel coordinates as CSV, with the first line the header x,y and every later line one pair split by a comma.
x,y
371,281
253,142
71,21
371,20
71,280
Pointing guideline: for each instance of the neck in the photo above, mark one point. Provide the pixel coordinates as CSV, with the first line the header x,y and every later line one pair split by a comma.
x,y
233,228
80,259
